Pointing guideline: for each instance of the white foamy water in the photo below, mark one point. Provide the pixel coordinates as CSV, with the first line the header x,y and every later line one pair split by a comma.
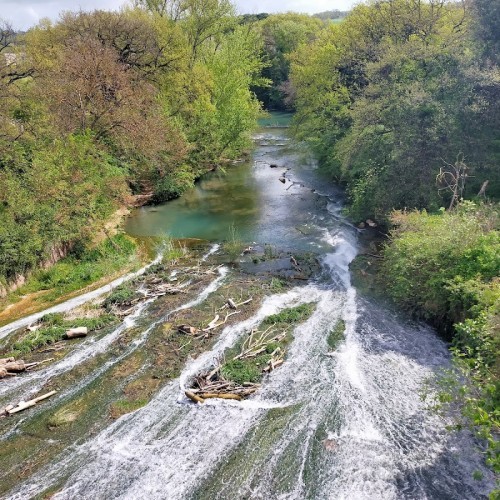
x,y
28,384
381,441
349,424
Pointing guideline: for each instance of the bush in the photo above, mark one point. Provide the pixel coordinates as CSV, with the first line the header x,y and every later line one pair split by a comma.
x,y
444,268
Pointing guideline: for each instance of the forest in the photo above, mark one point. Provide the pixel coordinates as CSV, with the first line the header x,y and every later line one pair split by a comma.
x,y
398,100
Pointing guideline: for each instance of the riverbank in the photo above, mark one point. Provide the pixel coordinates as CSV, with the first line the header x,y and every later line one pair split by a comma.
x,y
78,273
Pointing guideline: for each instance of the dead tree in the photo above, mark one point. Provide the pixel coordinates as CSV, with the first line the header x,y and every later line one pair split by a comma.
x,y
451,178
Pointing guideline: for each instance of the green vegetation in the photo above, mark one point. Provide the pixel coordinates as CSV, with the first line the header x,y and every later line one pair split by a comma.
x,y
282,34
444,268
291,315
234,246
336,334
124,406
101,105
398,93
262,347
242,371
83,267
121,295
53,328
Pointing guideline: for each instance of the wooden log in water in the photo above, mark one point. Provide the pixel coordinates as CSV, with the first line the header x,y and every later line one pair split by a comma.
x,y
74,333
23,405
193,397
15,366
220,395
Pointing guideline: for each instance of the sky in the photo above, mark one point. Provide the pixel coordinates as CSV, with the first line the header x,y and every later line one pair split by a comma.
x,y
25,13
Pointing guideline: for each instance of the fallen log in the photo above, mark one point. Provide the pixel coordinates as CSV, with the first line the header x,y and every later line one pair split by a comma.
x,y
6,360
54,347
4,373
272,365
231,304
212,323
219,395
74,333
244,302
193,397
15,366
29,366
23,405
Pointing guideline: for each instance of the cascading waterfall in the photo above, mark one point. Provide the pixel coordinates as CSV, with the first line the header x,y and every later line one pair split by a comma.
x,y
347,424
351,425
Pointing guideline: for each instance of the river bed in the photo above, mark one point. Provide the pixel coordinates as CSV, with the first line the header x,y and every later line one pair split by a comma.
x,y
344,424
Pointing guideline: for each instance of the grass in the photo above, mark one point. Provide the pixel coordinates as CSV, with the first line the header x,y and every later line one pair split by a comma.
x,y
233,246
277,285
121,295
81,268
291,315
242,371
336,335
53,330
124,406
173,251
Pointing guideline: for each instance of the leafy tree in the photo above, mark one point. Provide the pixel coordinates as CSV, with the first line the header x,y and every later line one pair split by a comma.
x,y
282,34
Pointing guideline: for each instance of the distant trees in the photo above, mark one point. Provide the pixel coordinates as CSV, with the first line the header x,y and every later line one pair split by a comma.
x,y
282,34
389,96
331,14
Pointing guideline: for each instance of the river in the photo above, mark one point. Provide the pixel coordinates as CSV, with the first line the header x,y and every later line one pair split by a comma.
x,y
351,424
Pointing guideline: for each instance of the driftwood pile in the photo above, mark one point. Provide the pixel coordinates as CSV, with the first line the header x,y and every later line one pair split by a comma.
x,y
198,333
155,287
212,384
9,367
23,405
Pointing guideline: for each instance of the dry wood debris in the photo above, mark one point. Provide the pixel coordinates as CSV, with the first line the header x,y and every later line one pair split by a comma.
x,y
9,367
23,405
212,384
198,333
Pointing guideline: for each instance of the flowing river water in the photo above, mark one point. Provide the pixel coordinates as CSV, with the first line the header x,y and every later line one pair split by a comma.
x,y
348,424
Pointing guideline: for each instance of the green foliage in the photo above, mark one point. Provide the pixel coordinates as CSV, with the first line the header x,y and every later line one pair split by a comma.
x,y
438,266
82,267
444,267
394,93
121,295
147,100
282,34
234,245
291,315
174,184
336,334
242,371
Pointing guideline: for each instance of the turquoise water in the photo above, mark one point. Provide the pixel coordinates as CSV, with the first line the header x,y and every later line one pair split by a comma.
x,y
247,198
